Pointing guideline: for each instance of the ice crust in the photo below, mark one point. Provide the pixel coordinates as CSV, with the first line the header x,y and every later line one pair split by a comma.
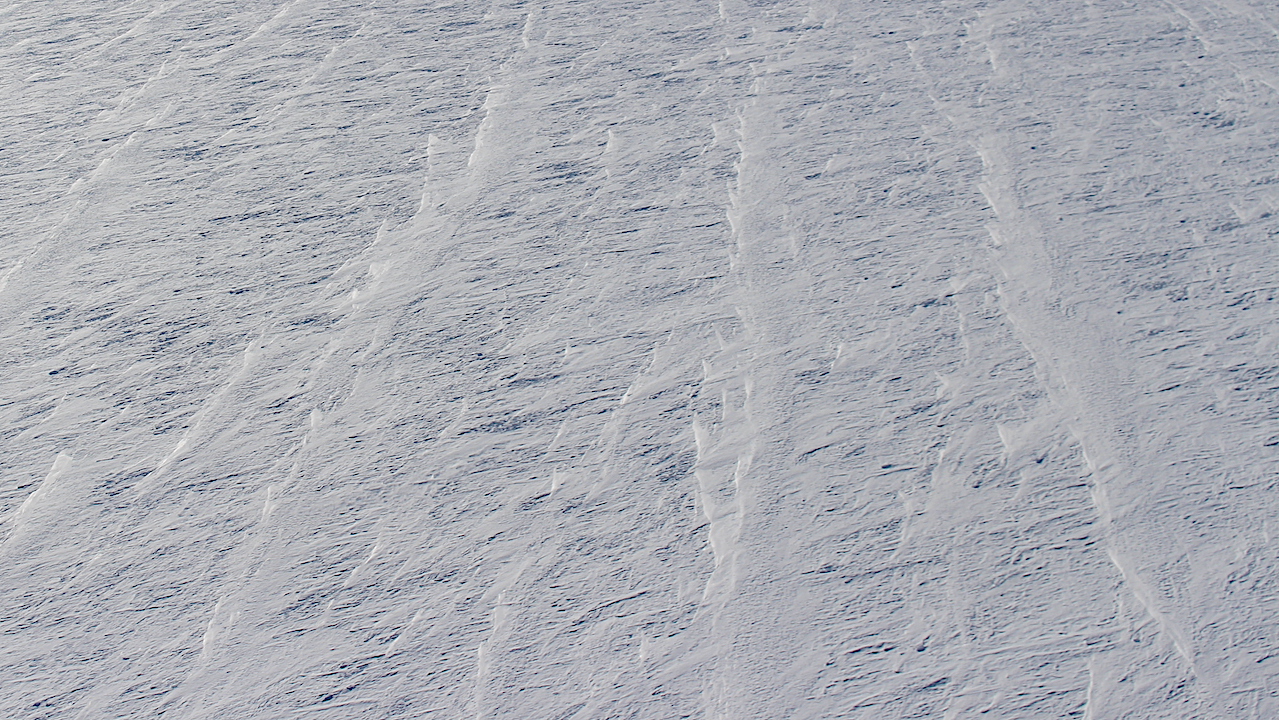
x,y
859,360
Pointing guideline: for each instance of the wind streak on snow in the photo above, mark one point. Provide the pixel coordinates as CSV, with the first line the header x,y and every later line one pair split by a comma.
x,y
133,31
1019,251
37,496
493,99
1026,292
211,405
1094,363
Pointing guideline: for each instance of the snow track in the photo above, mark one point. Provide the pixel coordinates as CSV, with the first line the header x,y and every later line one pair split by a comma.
x,y
731,359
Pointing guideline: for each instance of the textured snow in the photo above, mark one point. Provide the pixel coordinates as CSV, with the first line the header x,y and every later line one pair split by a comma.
x,y
639,360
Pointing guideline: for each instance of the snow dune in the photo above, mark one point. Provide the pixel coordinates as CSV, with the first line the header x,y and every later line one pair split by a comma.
x,y
639,360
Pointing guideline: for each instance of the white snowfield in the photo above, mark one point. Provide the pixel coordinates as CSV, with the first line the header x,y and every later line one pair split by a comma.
x,y
668,359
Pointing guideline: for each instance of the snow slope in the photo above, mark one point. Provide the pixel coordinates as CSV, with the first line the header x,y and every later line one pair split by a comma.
x,y
876,360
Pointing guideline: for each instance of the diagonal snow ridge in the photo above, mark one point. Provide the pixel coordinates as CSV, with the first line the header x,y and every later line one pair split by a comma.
x,y
1029,301
37,497
1078,360
725,447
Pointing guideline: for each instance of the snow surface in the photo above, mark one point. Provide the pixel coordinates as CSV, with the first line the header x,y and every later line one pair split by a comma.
x,y
391,359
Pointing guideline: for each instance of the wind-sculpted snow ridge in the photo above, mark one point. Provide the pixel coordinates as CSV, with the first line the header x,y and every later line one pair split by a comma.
x,y
856,360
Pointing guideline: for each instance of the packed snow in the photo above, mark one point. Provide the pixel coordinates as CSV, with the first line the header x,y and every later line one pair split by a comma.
x,y
664,359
